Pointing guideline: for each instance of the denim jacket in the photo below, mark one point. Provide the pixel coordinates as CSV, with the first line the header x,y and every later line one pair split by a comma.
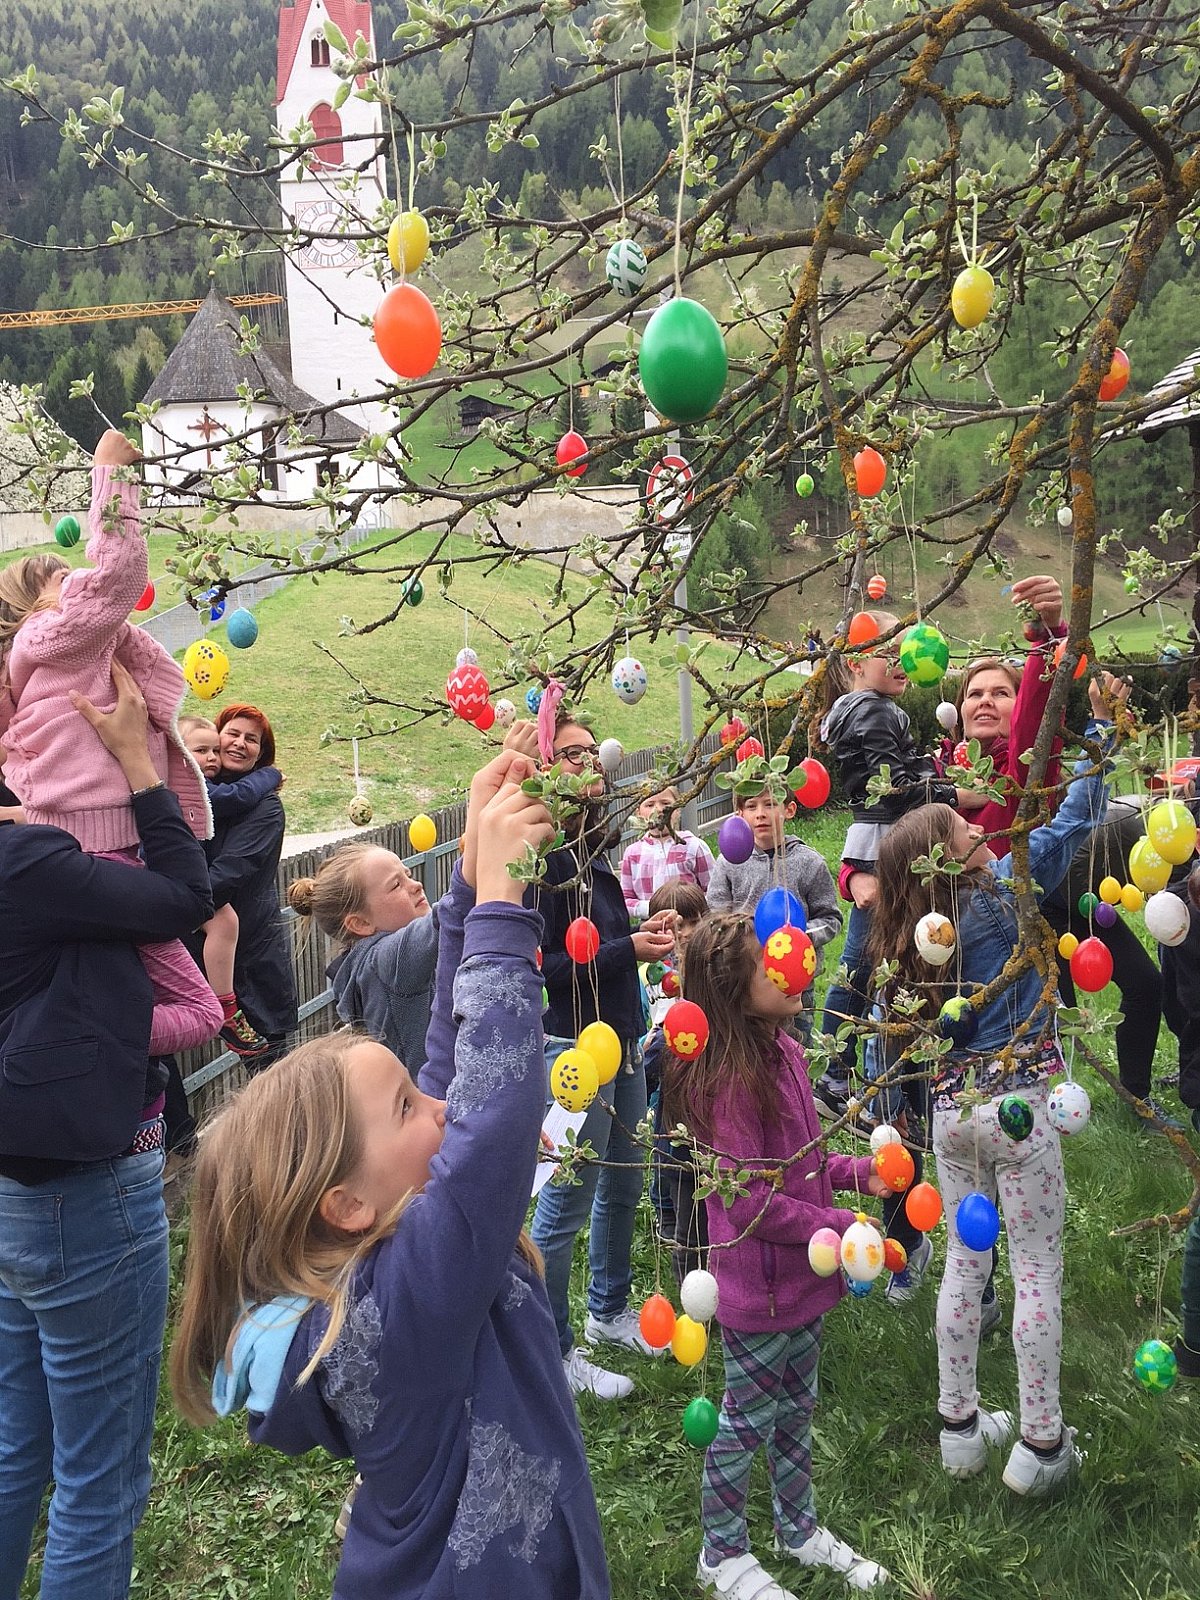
x,y
987,922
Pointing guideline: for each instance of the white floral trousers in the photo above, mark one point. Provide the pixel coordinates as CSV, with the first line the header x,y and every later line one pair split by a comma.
x,y
1026,1180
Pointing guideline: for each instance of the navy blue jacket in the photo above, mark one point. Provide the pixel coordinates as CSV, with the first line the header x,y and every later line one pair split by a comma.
x,y
75,1001
607,989
244,857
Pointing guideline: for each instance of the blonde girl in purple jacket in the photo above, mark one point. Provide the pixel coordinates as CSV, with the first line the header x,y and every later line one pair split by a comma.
x,y
747,1097
61,629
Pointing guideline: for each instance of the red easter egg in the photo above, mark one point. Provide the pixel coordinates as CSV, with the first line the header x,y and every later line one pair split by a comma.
x,y
571,452
467,692
790,960
582,940
748,748
816,791
408,334
657,1321
733,731
923,1207
670,984
147,599
685,1028
877,586
870,472
1092,965
863,628
1117,376
485,718
895,1256
894,1164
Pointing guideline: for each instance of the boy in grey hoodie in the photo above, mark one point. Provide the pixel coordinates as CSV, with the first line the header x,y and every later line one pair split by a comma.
x,y
778,859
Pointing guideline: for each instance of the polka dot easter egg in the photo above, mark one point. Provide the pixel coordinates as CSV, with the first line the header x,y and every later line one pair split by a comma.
x,y
629,680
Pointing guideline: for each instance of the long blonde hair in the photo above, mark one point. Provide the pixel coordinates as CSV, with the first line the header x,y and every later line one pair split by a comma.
x,y
21,594
257,1231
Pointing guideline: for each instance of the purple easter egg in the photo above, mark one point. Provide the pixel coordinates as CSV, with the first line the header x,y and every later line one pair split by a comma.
x,y
1104,916
735,839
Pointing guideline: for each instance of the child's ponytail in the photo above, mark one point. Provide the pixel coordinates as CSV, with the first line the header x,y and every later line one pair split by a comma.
x,y
21,589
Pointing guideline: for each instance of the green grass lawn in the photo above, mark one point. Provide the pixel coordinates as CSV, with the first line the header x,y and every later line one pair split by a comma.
x,y
226,1521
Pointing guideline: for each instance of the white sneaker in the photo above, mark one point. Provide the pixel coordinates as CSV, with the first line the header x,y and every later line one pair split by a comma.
x,y
1030,1474
740,1578
965,1454
584,1377
903,1285
621,1329
824,1549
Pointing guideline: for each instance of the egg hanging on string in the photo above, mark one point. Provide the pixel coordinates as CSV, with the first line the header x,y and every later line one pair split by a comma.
x,y
629,680
935,938
1069,1109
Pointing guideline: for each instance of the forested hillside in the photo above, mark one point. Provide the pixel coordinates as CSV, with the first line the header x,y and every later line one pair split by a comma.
x,y
191,66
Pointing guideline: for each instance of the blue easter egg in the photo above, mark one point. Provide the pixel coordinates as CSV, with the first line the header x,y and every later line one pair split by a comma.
x,y
242,629
977,1221
778,908
858,1288
533,699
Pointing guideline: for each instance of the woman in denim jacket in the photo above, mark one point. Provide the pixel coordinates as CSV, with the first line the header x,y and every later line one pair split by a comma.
x,y
1013,1049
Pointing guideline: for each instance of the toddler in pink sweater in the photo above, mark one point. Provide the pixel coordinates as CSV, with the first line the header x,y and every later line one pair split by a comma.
x,y
60,630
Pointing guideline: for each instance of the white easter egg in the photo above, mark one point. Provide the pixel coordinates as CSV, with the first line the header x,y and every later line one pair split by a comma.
x,y
935,938
698,1295
1068,1109
1167,918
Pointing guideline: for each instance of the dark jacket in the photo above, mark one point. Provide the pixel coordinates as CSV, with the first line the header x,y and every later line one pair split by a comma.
x,y
1181,1001
607,989
75,1001
240,795
244,861
865,731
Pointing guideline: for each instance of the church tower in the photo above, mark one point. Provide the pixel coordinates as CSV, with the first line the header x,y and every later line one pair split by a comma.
x,y
329,289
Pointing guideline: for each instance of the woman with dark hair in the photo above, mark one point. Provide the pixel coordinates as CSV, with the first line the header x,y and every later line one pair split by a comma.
x,y
243,862
83,1232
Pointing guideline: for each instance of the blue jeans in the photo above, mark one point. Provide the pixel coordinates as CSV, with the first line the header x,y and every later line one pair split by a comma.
x,y
83,1303
609,1194
844,1001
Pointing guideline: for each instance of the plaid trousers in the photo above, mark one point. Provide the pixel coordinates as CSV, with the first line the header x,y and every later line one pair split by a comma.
x,y
770,1392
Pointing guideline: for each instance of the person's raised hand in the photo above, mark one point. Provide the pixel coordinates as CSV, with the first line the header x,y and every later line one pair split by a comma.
x,y
1043,594
122,731
115,450
510,766
510,822
522,737
1106,694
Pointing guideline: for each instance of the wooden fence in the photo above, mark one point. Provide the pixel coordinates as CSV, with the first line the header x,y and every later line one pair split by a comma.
x,y
209,1077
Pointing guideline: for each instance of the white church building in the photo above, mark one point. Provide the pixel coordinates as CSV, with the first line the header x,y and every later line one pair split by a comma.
x,y
303,426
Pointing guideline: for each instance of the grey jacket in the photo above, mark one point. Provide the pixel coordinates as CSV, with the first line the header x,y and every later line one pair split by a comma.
x,y
384,983
740,886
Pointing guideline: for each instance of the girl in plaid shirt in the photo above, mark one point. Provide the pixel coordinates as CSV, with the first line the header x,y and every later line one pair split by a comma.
x,y
663,852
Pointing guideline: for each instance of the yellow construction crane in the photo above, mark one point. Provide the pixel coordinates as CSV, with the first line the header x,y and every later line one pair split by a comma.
x,y
138,308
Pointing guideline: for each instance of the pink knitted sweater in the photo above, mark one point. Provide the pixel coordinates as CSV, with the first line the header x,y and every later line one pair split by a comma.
x,y
55,763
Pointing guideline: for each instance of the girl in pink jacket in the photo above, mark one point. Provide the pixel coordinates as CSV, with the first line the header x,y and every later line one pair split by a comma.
x,y
61,629
747,1097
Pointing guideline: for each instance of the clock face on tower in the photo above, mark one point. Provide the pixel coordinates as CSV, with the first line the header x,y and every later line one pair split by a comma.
x,y
323,216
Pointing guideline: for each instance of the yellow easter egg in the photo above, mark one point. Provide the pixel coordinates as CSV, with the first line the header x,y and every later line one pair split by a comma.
x,y
689,1341
603,1044
408,241
422,832
574,1080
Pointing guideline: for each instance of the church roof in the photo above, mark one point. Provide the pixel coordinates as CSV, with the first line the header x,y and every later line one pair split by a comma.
x,y
352,17
208,364
1176,411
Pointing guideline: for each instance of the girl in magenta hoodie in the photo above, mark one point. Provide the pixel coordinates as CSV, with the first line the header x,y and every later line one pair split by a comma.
x,y
747,1096
61,629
